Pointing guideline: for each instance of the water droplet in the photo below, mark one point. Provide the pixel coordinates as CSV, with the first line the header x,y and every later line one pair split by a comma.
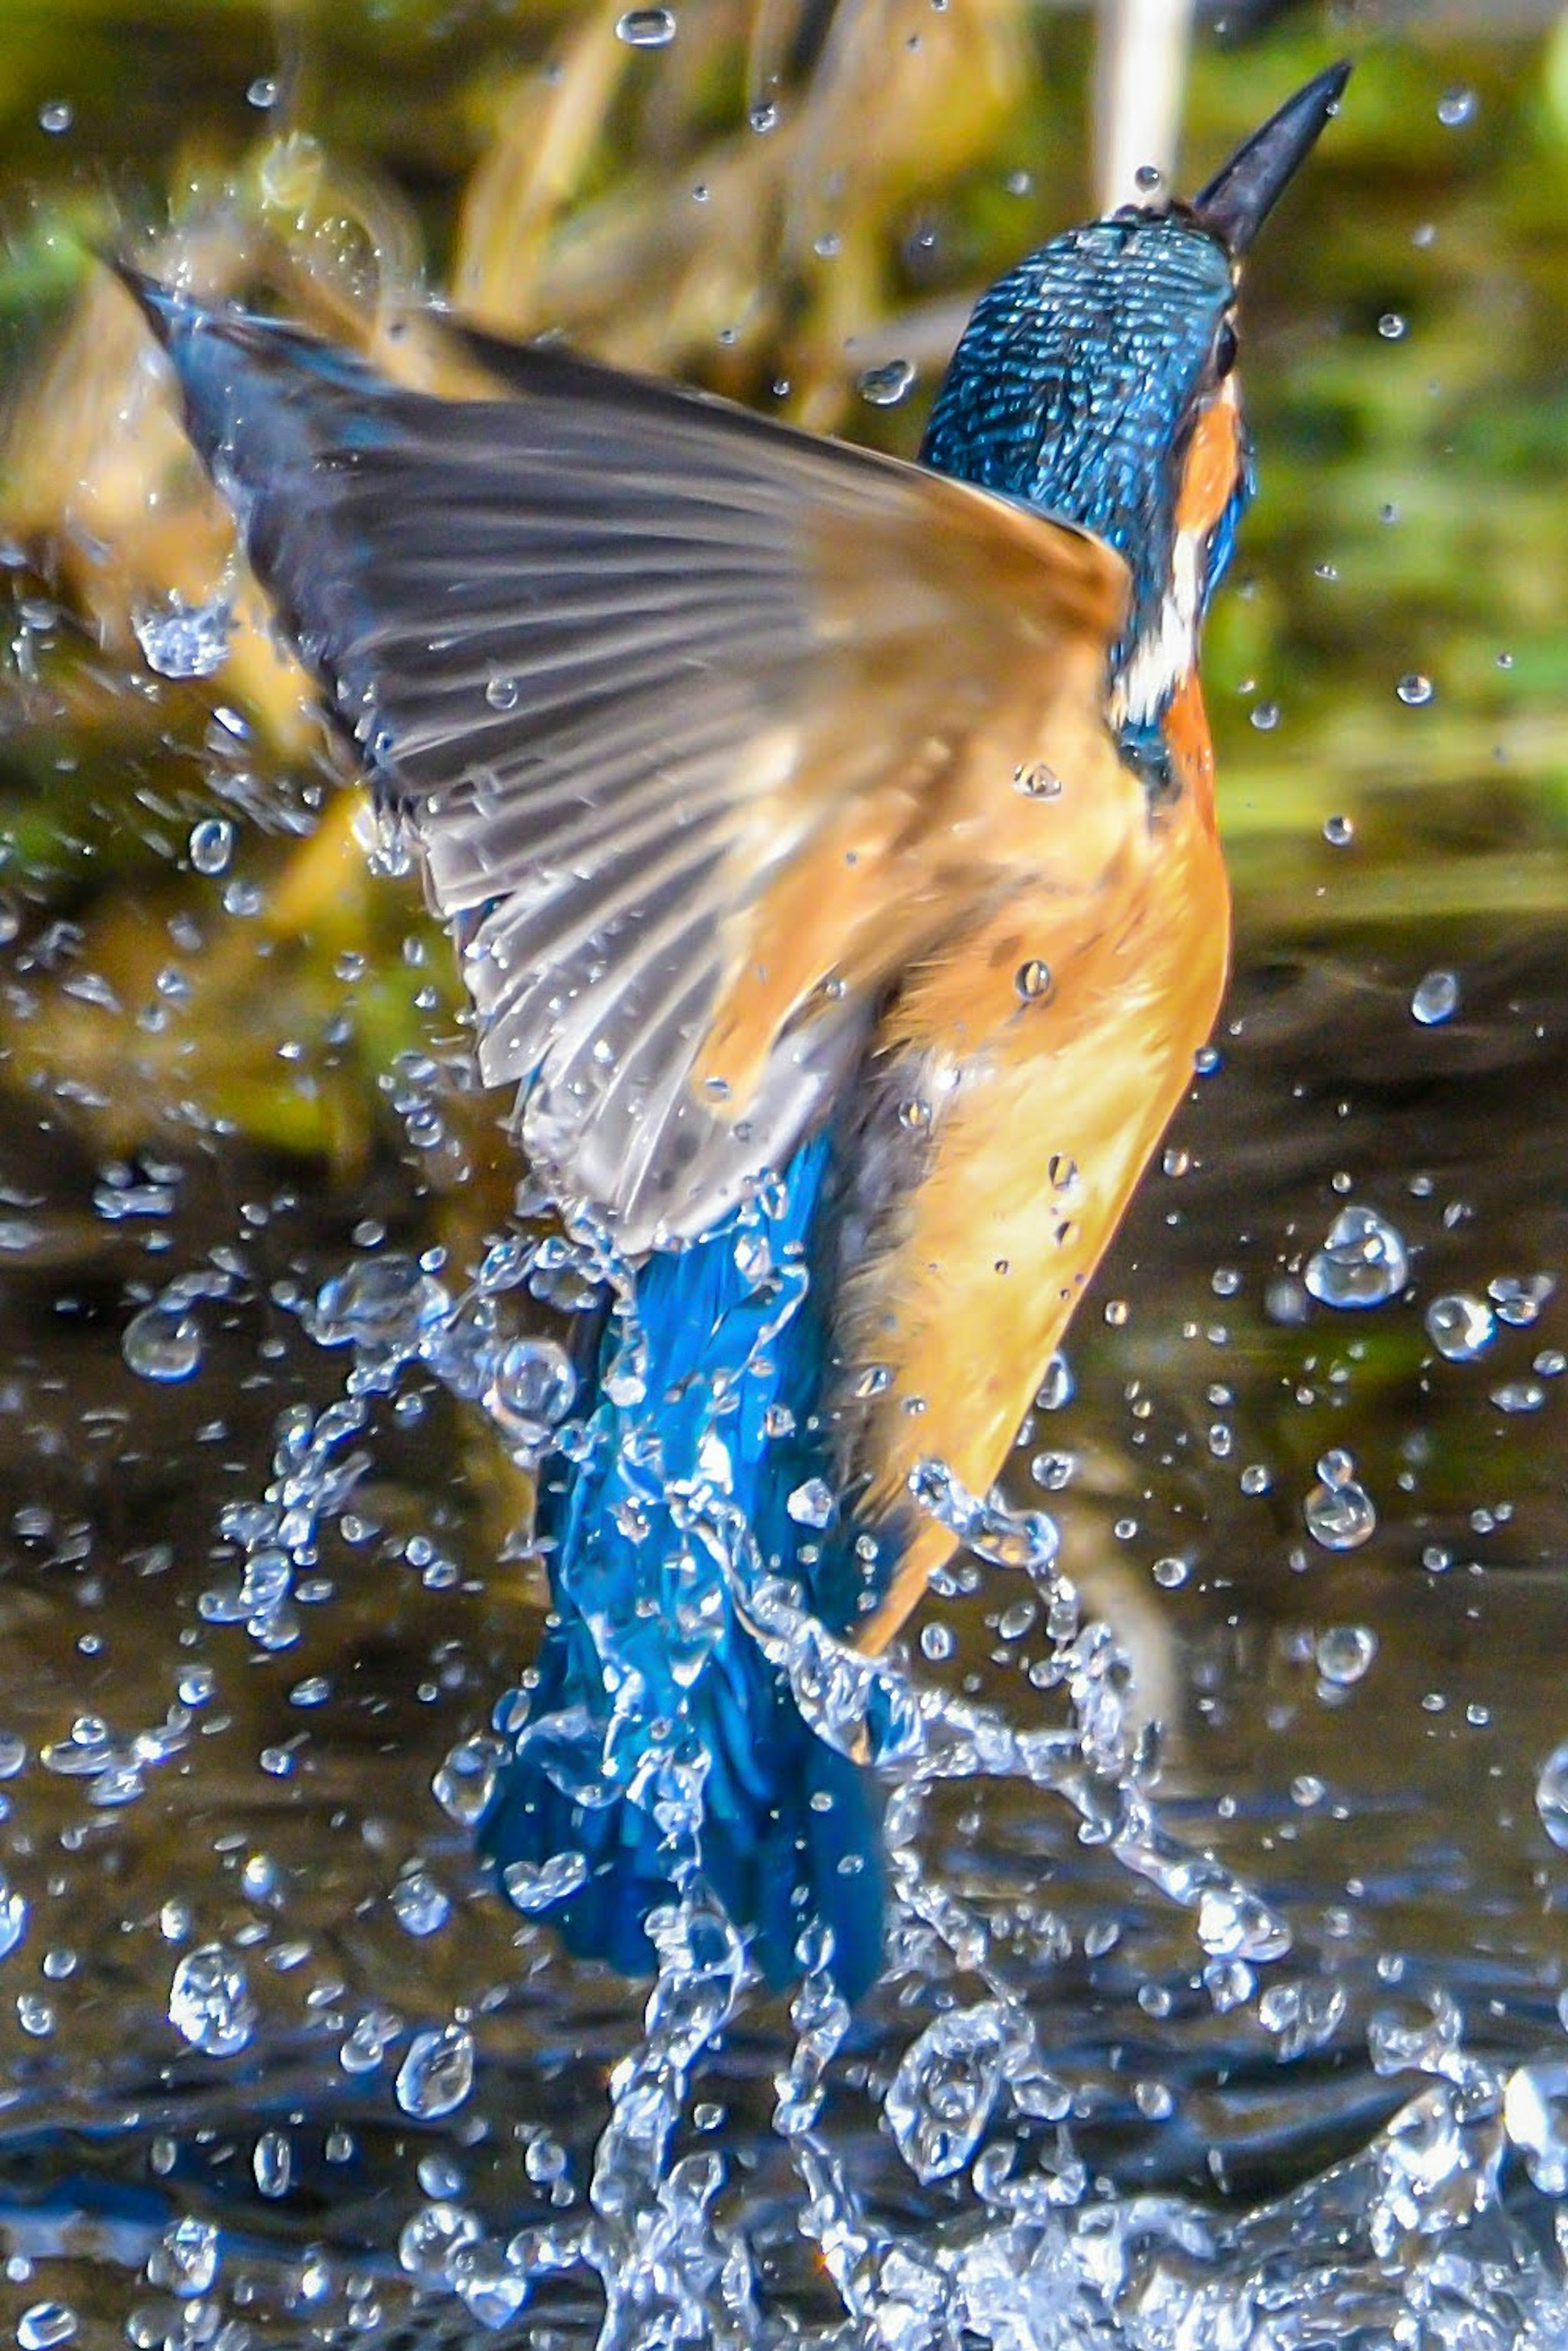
x,y
531,1391
1460,1326
419,1906
1391,327
55,116
1362,1261
812,1504
437,2074
431,2238
764,117
1339,1512
1339,831
185,2261
272,2163
1056,1388
940,2099
1344,1652
1456,107
1415,691
1535,2117
492,2289
1170,1573
464,1782
646,28
1519,1297
1519,1396
1235,1925
936,1642
1032,980
13,1918
1052,1471
45,2324
379,1302
1265,716
1302,2015
531,1887
886,385
544,2158
502,693
1037,781
209,2002
1552,1795
368,2042
180,640
262,93
1148,178
1436,999
211,844
162,1343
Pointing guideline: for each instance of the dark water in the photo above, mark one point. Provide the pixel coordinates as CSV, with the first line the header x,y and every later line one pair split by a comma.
x,y
1359,1733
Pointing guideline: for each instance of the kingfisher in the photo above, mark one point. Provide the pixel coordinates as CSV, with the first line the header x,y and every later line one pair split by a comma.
x,y
830,847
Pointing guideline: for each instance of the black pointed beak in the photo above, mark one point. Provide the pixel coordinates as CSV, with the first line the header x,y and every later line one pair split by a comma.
x,y
1239,199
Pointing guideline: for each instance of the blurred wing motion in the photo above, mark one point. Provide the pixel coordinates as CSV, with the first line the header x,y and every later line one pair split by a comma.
x,y
706,730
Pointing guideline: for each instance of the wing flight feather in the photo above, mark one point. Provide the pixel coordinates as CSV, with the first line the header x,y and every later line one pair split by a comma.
x,y
706,729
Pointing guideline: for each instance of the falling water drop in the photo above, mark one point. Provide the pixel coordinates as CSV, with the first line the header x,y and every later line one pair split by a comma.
x,y
1344,1652
940,2099
13,1918
1362,1261
45,2325
419,1904
1436,999
538,1887
886,385
162,1343
1460,1326
531,1391
211,844
209,2002
646,28
437,2074
1552,1795
1339,1512
180,640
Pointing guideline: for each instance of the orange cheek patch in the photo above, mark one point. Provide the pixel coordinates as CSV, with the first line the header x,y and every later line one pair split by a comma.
x,y
1210,473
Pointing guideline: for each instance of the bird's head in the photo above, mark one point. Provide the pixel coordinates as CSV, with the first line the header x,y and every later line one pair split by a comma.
x,y
1096,381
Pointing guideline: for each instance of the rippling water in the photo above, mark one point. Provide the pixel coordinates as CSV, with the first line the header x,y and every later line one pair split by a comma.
x,y
279,2065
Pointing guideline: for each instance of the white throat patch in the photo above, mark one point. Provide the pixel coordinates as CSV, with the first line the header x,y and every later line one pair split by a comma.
x,y
1165,654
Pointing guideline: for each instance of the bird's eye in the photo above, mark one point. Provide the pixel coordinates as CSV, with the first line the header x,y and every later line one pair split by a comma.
x,y
1224,350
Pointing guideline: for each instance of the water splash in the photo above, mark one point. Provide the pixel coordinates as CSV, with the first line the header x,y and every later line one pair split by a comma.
x,y
970,2103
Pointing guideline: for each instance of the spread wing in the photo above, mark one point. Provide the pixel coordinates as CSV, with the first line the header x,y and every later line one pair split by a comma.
x,y
695,719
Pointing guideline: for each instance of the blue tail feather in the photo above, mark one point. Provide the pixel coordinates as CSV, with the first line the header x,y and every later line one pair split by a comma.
x,y
647,1673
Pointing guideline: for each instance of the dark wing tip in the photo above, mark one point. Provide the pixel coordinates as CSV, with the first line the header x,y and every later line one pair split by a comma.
x,y
169,315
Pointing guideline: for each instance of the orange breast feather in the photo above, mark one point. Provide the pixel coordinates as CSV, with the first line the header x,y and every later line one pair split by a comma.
x,y
1052,1107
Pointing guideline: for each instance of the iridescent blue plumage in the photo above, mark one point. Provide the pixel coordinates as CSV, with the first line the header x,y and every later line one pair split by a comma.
x,y
1073,387
703,1428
